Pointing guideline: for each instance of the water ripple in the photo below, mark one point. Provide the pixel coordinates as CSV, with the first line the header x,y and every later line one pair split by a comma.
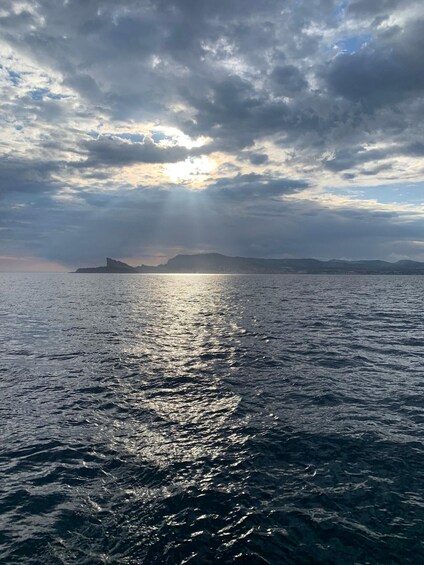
x,y
199,419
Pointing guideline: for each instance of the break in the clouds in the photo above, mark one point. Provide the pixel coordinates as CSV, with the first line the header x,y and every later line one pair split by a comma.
x,y
256,127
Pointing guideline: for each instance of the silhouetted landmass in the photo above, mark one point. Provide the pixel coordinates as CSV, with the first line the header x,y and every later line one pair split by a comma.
x,y
215,263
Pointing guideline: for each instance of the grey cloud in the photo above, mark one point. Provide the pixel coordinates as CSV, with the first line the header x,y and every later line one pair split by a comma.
x,y
221,8
416,149
288,80
170,52
134,223
85,85
373,171
383,73
233,114
87,43
372,7
244,73
114,152
254,158
252,187
21,175
355,156
16,21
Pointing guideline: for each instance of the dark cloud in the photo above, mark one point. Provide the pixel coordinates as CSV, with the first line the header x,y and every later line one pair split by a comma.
x,y
254,158
146,221
115,152
253,187
415,149
21,175
136,60
288,80
372,7
385,72
355,156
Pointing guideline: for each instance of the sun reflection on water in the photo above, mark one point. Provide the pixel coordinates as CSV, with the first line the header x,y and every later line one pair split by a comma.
x,y
182,410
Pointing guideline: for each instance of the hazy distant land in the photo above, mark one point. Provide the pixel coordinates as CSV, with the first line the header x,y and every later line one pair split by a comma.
x,y
215,263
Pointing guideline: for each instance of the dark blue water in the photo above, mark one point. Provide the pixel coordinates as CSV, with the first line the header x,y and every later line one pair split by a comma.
x,y
203,419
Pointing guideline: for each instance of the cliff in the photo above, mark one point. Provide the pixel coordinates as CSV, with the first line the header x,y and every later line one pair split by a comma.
x,y
214,263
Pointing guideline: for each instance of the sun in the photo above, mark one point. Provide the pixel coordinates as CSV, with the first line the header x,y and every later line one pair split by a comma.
x,y
194,169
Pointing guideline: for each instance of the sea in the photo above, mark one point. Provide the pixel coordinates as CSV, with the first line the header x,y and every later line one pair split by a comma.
x,y
194,419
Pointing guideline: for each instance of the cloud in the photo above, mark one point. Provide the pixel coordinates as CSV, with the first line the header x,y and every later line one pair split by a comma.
x,y
254,158
373,7
288,101
384,72
253,187
254,216
22,175
353,157
115,152
288,80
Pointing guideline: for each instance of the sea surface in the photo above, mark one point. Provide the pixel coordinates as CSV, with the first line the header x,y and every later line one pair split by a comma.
x,y
170,419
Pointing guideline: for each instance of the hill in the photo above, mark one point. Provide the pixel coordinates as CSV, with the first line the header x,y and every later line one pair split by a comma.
x,y
215,263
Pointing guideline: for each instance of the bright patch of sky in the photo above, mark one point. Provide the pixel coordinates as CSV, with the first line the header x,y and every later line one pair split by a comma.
x,y
403,194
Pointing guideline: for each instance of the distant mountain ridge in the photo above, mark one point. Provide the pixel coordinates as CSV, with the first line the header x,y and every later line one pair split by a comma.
x,y
215,263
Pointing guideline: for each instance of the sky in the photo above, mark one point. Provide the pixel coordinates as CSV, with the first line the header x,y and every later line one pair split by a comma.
x,y
265,128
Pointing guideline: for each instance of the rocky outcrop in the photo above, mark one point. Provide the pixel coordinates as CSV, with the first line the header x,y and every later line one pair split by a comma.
x,y
221,264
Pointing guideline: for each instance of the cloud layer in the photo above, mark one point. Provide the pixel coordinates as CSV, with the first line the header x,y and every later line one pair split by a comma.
x,y
261,127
